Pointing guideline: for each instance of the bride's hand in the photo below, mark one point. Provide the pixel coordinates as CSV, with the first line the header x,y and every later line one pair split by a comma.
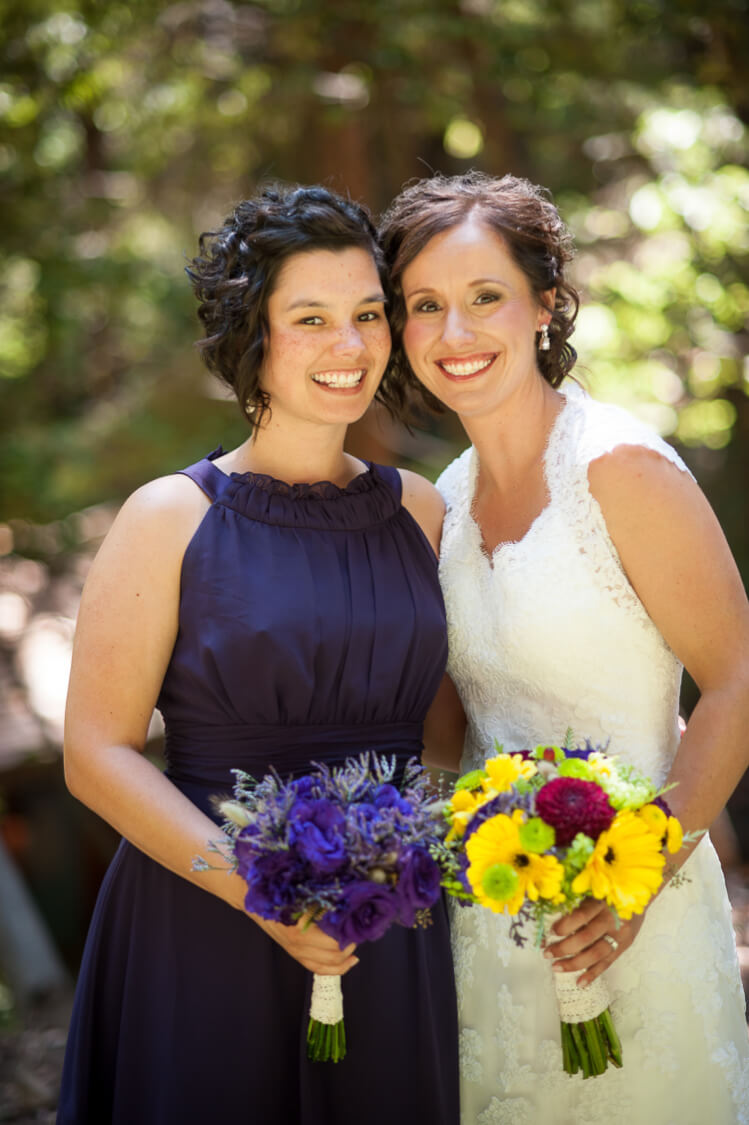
x,y
589,938
308,945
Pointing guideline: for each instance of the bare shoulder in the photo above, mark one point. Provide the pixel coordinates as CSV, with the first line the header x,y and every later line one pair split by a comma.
x,y
425,504
642,482
153,527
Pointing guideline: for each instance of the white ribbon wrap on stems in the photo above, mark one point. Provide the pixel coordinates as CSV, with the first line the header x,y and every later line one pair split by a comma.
x,y
327,1000
576,1005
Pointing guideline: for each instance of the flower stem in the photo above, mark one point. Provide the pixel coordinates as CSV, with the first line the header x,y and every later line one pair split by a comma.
x,y
326,1042
612,1039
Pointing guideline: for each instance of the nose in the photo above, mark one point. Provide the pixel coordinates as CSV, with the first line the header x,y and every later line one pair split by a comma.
x,y
348,340
456,328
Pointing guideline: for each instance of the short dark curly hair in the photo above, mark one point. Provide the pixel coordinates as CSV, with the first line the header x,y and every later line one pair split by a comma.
x,y
237,269
524,217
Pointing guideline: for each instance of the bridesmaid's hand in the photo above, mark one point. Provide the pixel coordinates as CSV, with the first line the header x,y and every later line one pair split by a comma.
x,y
590,939
308,945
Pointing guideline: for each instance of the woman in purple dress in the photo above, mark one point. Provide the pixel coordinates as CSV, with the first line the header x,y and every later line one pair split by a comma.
x,y
280,605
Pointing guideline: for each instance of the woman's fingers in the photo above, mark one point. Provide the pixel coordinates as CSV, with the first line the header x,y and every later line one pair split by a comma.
x,y
312,948
594,946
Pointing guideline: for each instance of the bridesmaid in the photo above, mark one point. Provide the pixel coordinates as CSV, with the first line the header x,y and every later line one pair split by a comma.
x,y
581,566
280,604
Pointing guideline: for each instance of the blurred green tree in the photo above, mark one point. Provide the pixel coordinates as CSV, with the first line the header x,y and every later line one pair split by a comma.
x,y
128,128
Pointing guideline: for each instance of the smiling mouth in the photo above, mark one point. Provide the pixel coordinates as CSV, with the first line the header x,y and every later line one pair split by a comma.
x,y
340,380
468,367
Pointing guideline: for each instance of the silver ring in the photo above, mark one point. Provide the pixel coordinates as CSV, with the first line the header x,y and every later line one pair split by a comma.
x,y
612,941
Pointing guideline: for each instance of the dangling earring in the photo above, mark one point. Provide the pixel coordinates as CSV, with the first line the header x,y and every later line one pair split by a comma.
x,y
544,344
250,406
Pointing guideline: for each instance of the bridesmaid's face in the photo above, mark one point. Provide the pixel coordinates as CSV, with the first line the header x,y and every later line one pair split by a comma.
x,y
328,339
470,333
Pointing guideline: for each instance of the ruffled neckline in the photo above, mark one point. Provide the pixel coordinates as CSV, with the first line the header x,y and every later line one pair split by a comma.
x,y
369,498
314,490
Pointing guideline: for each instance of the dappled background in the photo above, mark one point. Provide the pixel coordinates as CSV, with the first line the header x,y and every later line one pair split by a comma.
x,y
126,129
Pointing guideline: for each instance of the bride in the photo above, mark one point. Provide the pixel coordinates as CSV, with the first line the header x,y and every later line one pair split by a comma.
x,y
581,568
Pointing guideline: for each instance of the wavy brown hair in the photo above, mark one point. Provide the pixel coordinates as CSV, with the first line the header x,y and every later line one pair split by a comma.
x,y
237,269
526,220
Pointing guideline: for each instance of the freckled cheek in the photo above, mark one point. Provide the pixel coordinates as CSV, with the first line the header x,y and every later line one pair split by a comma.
x,y
380,344
285,356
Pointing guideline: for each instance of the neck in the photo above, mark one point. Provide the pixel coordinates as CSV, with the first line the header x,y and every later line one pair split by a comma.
x,y
296,454
511,439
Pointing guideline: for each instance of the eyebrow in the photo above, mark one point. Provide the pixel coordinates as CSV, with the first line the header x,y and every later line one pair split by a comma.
x,y
304,303
471,285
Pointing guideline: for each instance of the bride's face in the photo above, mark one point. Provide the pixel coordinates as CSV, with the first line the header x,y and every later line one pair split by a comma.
x,y
470,332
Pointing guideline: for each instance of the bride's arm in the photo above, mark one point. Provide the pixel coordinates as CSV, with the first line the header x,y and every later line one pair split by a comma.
x,y
679,564
127,625
444,729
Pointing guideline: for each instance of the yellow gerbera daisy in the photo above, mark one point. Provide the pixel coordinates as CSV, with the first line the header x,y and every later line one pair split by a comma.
x,y
504,771
496,846
626,867
463,805
666,828
674,835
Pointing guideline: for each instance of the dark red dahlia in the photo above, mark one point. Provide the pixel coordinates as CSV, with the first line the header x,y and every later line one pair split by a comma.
x,y
570,806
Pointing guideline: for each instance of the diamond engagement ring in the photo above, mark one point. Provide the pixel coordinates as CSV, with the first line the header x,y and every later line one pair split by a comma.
x,y
612,941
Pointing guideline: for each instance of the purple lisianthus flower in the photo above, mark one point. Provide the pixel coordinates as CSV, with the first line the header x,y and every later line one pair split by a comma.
x,y
388,797
419,880
247,849
364,914
306,788
272,882
317,832
503,803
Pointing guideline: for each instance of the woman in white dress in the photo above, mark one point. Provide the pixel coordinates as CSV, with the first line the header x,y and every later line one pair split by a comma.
x,y
581,568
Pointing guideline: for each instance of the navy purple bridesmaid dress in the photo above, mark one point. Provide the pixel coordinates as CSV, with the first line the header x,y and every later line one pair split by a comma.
x,y
311,628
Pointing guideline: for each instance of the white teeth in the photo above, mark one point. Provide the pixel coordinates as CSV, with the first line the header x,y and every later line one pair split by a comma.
x,y
468,368
340,378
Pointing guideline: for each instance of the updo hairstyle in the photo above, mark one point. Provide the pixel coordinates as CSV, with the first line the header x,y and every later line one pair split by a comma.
x,y
523,216
237,269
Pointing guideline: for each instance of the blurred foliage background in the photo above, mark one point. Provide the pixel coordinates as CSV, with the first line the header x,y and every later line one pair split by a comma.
x,y
127,128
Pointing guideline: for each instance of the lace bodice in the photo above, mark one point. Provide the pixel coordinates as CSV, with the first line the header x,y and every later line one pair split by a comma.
x,y
548,633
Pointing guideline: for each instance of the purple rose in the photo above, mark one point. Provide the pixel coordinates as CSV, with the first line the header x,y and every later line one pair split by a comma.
x,y
418,882
317,831
272,882
364,914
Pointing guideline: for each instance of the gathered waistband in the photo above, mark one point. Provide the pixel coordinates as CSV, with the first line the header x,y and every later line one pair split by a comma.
x,y
205,754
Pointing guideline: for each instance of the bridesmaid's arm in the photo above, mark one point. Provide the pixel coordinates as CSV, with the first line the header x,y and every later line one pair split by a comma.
x,y
127,626
444,727
679,564
425,504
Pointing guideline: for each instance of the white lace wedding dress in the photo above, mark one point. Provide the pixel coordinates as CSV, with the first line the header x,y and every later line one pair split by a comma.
x,y
548,635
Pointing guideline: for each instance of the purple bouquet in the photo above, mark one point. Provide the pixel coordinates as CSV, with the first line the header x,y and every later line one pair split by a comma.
x,y
345,847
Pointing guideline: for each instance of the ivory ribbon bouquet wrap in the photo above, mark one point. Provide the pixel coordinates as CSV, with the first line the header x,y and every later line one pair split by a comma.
x,y
541,830
354,849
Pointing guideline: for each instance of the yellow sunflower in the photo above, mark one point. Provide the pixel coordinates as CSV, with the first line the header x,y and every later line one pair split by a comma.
x,y
504,771
626,867
502,873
